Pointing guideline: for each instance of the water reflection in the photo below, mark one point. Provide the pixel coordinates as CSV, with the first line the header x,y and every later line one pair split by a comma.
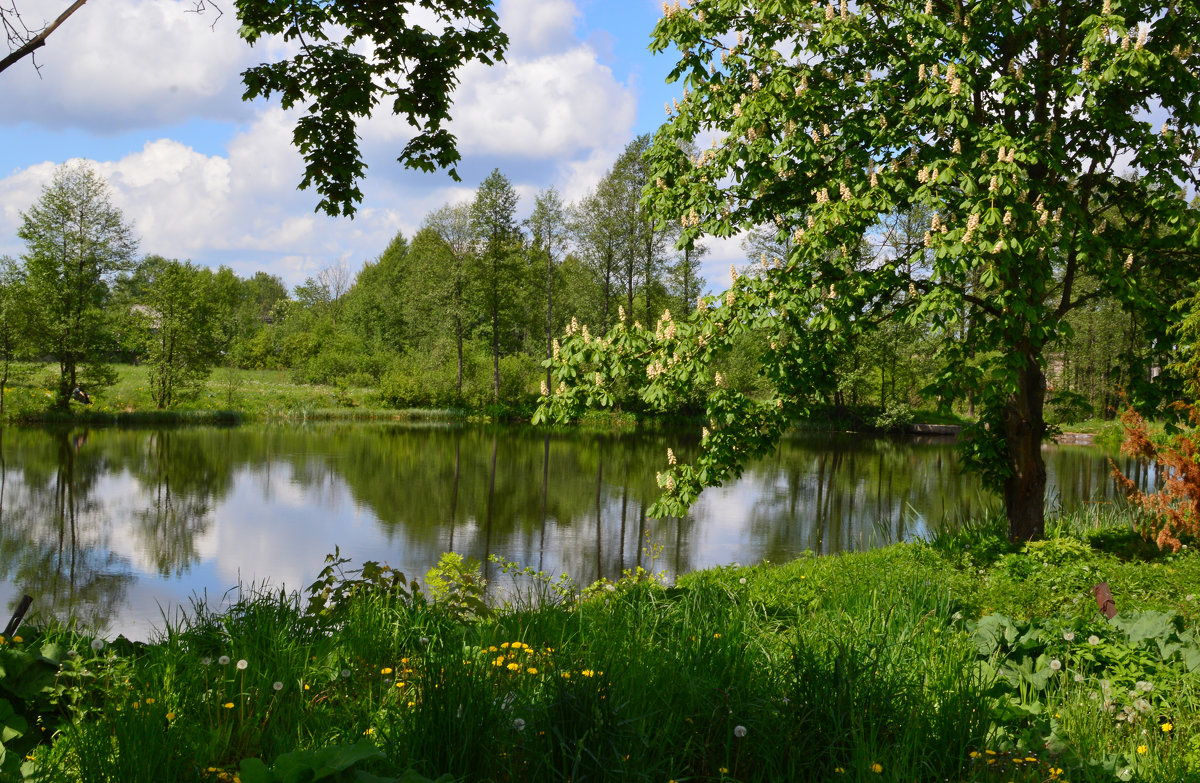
x,y
114,527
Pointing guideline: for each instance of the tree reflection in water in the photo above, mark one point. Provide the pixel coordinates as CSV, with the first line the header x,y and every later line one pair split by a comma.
x,y
88,520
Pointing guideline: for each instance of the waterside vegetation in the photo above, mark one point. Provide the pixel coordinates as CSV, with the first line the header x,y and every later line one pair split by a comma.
x,y
966,659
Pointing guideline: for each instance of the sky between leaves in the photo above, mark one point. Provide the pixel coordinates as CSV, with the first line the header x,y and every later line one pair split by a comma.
x,y
151,93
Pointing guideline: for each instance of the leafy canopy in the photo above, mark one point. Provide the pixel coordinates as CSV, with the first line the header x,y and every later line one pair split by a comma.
x,y
351,57
1023,129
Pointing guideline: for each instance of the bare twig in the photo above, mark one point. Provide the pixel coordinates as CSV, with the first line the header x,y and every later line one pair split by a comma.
x,y
38,41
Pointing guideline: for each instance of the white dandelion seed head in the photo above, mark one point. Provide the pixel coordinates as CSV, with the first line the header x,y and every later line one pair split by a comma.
x,y
97,644
278,686
242,664
1093,639
1078,678
739,731
345,674
424,640
1069,636
223,660
1056,665
742,581
519,724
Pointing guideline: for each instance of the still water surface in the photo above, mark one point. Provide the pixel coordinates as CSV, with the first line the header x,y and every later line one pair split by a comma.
x,y
115,527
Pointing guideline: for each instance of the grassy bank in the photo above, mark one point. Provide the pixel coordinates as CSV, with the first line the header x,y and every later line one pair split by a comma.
x,y
233,396
961,660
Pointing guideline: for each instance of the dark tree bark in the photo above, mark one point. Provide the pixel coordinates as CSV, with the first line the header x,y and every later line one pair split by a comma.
x,y
1024,428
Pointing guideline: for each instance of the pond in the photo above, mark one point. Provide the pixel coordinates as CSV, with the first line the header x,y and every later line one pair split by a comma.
x,y
117,527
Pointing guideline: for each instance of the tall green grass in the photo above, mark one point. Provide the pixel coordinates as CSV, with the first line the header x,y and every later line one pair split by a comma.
x,y
861,667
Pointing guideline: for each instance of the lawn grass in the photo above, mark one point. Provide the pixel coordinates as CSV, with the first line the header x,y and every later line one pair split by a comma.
x,y
962,659
230,396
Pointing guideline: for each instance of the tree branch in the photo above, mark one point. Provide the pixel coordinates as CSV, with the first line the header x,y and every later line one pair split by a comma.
x,y
39,40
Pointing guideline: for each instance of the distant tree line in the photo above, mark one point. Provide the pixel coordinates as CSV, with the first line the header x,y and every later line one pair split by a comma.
x,y
467,310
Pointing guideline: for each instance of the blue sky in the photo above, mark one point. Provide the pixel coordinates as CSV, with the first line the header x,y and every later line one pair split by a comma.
x,y
151,94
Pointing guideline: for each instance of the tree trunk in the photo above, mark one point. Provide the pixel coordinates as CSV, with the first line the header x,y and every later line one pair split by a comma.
x,y
549,316
458,336
1024,428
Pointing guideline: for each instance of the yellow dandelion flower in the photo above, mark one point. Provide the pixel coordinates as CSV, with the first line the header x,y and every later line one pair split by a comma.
x,y
1142,749
565,675
18,639
877,768
150,700
716,636
170,716
412,704
1031,759
504,646
400,683
531,670
385,670
723,770
1167,727
499,661
228,705
512,667
589,673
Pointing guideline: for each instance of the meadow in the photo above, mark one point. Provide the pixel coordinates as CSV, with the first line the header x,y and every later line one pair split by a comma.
x,y
961,659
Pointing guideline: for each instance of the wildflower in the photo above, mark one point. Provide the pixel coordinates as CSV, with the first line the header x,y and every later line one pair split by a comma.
x,y
1056,665
1093,639
877,768
18,639
742,581
531,670
278,686
724,770
518,725
386,670
170,716
739,731
1069,636
424,640
345,674
242,665
1141,705
1078,678
1166,727
97,644
223,660
205,661
228,705
512,667
587,673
